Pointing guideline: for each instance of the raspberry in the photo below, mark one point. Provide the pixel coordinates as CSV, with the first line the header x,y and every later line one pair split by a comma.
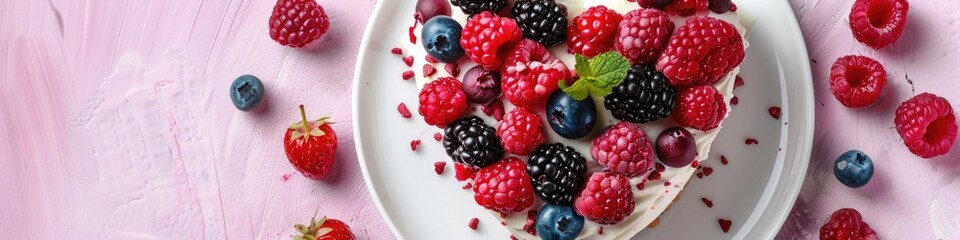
x,y
687,7
442,101
927,124
296,23
845,224
594,31
643,34
504,187
701,51
700,107
521,131
531,74
487,39
623,148
857,81
878,23
606,198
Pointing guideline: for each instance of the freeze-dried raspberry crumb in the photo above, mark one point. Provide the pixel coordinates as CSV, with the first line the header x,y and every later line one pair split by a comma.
x,y
707,202
428,70
396,51
404,112
439,166
407,75
751,141
414,144
473,223
408,60
725,224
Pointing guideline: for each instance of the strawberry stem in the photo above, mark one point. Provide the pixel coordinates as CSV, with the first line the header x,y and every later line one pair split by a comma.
x,y
303,118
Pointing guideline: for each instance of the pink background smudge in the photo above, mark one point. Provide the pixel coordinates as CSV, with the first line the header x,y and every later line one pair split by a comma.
x,y
115,122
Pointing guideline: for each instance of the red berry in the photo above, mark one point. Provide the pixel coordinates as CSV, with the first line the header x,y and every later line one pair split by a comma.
x,y
504,186
414,145
623,148
442,101
594,31
643,34
335,230
774,112
927,124
488,38
857,81
687,7
701,51
296,23
462,172
521,131
429,70
473,223
845,224
311,146
606,199
878,23
439,166
404,112
725,224
409,61
531,74
700,107
407,75
396,51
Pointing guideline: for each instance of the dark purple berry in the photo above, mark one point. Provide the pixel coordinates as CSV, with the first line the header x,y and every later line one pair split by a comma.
x,y
720,6
428,9
676,147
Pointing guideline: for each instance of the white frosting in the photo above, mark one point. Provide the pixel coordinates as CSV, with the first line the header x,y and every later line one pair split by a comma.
x,y
655,198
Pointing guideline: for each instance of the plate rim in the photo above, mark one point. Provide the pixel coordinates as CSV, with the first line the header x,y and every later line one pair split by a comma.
x,y
804,140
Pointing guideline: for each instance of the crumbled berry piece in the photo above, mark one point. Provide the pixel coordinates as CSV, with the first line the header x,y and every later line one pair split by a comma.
x,y
707,202
452,68
396,51
439,166
774,112
437,136
473,223
407,75
428,70
408,60
414,144
723,160
751,141
404,112
725,224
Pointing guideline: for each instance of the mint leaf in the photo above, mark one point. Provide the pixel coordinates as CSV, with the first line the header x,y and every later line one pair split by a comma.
x,y
579,91
583,67
610,69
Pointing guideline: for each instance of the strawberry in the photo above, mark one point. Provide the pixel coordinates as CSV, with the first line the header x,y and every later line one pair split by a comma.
x,y
310,146
325,229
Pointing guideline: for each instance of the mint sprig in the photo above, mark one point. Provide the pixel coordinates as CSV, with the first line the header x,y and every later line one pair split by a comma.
x,y
598,75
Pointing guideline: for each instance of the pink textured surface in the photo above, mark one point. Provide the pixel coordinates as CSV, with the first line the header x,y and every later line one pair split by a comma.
x,y
115,122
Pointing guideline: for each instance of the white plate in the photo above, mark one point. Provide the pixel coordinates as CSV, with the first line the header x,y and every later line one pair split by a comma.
x,y
756,190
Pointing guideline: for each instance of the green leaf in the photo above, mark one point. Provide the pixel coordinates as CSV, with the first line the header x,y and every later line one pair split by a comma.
x,y
579,91
583,67
610,69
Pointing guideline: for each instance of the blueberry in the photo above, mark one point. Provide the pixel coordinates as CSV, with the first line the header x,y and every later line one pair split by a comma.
x,y
853,168
558,222
441,38
247,92
570,118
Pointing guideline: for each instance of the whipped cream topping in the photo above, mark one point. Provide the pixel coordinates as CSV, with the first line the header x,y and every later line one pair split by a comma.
x,y
656,195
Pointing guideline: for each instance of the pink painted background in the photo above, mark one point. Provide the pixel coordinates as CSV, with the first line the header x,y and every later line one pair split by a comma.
x,y
115,122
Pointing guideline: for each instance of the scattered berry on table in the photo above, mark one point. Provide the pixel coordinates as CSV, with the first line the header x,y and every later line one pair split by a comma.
x,y
521,131
471,142
427,9
844,224
700,107
544,21
623,148
504,186
404,112
927,125
463,172
643,96
556,173
878,23
325,229
570,118
531,74
311,146
441,39
701,51
857,81
720,6
594,31
853,168
297,23
655,4
474,222
480,85
607,198
643,34
471,7
676,147
559,222
687,7
442,101
725,224
247,93
439,167
488,38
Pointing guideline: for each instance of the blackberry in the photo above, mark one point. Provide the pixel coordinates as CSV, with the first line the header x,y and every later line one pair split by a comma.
x,y
643,96
556,172
471,142
544,21
471,7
